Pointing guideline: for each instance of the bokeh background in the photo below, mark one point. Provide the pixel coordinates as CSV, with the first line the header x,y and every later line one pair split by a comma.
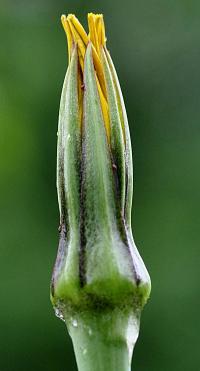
x,y
155,46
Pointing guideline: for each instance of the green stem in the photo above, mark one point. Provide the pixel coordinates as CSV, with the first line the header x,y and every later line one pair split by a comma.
x,y
103,341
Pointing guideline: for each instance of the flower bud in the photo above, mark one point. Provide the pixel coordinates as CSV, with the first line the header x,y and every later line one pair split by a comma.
x,y
97,264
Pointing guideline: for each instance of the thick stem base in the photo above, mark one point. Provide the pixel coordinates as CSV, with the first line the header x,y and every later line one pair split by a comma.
x,y
103,341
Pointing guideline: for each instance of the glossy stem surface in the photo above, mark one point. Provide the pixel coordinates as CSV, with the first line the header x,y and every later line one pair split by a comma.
x,y
103,341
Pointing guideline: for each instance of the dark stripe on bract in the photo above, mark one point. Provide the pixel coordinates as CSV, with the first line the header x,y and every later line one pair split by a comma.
x,y
82,268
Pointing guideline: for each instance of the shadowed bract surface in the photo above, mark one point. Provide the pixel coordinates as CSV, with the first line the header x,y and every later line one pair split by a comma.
x,y
155,48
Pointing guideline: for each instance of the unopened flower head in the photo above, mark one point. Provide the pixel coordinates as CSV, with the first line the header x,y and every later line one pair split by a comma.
x,y
97,259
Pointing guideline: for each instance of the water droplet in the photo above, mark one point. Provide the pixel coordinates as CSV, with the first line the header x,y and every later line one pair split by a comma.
x,y
84,351
90,331
68,137
59,314
74,323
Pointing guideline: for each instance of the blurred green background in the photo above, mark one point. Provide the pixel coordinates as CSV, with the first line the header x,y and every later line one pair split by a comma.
x,y
155,47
